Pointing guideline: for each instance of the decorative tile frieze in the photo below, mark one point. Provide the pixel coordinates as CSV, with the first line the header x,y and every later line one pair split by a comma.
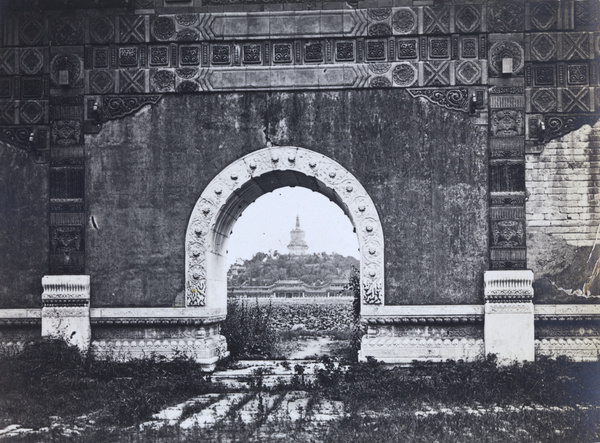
x,y
576,99
577,74
162,80
313,52
405,74
506,16
376,50
544,75
506,122
252,54
468,72
221,54
543,47
407,48
100,57
436,73
159,55
8,61
506,49
344,51
31,61
128,56
544,100
586,13
508,233
558,125
66,31
468,47
404,21
31,31
162,28
132,81
575,46
132,29
468,18
73,64
114,107
544,15
505,147
190,55
439,48
6,88
455,98
282,53
436,20
102,30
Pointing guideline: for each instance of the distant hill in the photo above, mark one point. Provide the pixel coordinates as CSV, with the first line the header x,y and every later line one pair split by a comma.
x,y
266,269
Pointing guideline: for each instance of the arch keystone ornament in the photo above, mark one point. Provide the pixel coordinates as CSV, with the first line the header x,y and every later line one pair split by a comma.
x,y
242,182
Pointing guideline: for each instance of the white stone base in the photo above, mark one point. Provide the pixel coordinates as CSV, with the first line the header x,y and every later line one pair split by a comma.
x,y
509,331
66,309
402,350
205,351
585,349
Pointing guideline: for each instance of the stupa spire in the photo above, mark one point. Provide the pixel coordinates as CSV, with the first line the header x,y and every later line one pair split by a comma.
x,y
297,245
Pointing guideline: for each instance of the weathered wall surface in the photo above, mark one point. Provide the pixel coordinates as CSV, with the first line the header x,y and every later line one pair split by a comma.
x,y
563,218
424,167
23,228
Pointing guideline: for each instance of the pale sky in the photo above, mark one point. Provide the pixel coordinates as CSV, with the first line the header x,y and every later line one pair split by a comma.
x,y
266,224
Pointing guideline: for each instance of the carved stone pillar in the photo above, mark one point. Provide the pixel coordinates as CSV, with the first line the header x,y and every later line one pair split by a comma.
x,y
509,319
66,309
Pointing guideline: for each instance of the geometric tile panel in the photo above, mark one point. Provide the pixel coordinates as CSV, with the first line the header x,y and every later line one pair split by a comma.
x,y
6,87
31,32
436,73
586,13
543,100
132,81
159,56
576,99
506,16
32,112
32,87
577,74
8,64
132,29
66,31
544,15
32,61
544,75
543,47
436,19
575,46
102,81
468,73
468,18
7,113
102,30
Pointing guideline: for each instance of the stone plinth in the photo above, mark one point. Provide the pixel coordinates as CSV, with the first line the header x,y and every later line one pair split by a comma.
x,y
66,309
509,315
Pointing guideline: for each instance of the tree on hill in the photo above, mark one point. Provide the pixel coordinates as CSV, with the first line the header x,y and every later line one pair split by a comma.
x,y
266,269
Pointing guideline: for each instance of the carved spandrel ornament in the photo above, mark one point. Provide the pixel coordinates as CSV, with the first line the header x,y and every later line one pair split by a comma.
x,y
208,210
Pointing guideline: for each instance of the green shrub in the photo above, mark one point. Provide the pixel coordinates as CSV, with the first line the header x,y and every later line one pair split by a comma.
x,y
248,330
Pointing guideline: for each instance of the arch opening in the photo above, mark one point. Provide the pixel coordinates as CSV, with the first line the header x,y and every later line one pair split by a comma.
x,y
240,184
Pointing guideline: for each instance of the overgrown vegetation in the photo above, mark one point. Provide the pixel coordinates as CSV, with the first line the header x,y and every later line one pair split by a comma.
x,y
50,378
249,330
545,401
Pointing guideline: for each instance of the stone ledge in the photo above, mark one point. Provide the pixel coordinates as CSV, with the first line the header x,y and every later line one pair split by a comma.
x,y
567,312
422,314
155,316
